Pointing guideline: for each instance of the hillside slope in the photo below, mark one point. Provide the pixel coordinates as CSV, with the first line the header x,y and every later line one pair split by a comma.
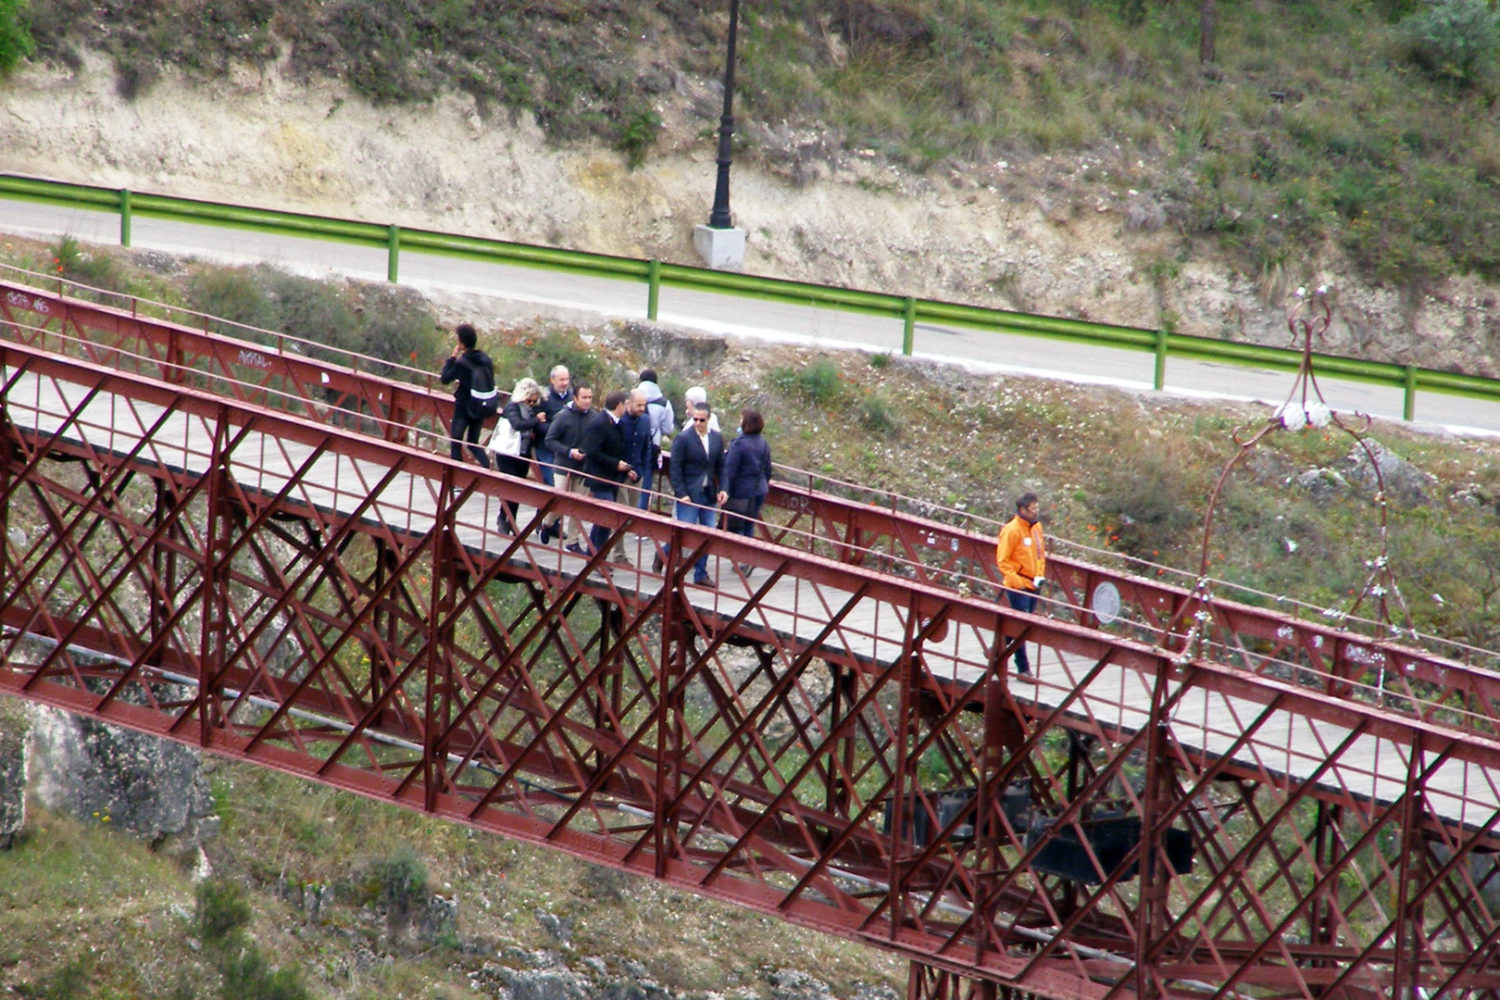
x,y
1090,229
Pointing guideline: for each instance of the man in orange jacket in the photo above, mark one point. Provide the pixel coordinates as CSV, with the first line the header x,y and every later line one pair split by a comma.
x,y
1022,559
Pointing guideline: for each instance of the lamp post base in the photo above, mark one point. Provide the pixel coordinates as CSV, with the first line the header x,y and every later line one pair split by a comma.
x,y
721,249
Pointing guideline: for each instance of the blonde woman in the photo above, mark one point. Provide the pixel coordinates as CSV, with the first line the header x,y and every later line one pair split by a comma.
x,y
528,421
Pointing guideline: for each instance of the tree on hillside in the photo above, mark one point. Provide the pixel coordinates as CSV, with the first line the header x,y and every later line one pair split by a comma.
x,y
15,37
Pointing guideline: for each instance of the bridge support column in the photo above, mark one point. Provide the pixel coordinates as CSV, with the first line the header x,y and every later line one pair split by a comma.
x,y
927,983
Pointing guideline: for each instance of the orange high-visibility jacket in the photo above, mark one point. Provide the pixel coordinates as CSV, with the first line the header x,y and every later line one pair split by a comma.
x,y
1020,554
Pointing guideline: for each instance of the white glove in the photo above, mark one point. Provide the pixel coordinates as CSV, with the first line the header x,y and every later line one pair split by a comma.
x,y
1038,581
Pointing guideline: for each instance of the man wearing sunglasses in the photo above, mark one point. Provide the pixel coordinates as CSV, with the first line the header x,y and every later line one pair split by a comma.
x,y
697,470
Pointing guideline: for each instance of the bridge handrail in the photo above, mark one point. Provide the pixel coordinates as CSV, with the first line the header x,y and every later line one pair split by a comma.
x,y
911,309
1348,651
401,410
427,411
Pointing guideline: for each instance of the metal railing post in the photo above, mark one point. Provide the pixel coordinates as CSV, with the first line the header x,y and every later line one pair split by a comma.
x,y
1159,378
1409,392
124,217
393,251
909,321
653,287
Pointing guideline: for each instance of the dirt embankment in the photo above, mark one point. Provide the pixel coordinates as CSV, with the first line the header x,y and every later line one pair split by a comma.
x,y
1035,236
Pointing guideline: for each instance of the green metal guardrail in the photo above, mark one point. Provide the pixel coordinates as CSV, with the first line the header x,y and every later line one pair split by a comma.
x,y
656,274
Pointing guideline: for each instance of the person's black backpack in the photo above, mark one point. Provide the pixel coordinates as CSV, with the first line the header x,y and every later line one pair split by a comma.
x,y
484,398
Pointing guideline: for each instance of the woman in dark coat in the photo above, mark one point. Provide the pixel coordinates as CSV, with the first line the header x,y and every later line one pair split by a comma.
x,y
525,414
747,474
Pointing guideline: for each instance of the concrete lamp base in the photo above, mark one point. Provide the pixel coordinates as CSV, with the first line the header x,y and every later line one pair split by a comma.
x,y
721,249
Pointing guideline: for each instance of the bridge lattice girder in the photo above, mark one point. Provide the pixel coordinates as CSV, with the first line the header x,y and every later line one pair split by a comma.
x,y
833,738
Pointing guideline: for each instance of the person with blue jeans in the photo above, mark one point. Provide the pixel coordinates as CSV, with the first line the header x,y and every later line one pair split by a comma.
x,y
557,398
1021,557
697,470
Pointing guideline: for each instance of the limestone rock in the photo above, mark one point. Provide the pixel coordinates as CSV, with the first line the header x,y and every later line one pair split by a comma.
x,y
1404,482
153,788
13,768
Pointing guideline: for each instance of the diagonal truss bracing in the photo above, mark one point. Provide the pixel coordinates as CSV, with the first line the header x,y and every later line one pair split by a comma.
x,y
831,737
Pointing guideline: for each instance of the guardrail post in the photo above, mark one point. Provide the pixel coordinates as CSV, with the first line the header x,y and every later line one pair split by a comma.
x,y
1409,387
909,319
653,287
1159,378
393,251
124,217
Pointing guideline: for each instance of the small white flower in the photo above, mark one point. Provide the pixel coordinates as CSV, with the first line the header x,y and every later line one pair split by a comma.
x,y
1438,598
1301,292
1292,417
1291,546
1319,415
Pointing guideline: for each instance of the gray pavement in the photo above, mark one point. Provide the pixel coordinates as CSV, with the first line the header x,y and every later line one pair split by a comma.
x,y
545,290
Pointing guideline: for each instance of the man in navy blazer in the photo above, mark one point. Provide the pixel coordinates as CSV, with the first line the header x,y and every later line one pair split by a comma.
x,y
697,473
604,460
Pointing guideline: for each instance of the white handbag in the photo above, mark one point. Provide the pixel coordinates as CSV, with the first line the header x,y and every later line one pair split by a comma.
x,y
506,440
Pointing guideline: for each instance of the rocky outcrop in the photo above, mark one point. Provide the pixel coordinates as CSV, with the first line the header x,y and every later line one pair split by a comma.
x,y
541,975
151,787
13,768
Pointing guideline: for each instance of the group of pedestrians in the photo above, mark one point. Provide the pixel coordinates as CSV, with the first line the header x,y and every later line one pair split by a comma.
x,y
579,449
601,450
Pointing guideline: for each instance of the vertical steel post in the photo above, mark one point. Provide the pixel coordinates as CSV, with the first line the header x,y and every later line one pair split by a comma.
x,y
909,325
124,217
214,612
1409,392
1159,378
392,251
653,287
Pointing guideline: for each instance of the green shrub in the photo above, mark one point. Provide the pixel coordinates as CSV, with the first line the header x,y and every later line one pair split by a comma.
x,y
399,884
1144,499
15,35
819,383
87,267
1452,39
248,976
222,911
234,294
879,416
638,135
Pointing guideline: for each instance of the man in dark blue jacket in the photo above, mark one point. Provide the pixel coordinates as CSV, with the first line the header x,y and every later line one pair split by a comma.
x,y
697,471
604,460
636,424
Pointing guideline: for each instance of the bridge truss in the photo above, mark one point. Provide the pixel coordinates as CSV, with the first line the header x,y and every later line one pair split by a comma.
x,y
254,550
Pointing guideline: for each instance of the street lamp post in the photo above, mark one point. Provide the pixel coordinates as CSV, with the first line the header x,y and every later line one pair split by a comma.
x,y
720,243
719,217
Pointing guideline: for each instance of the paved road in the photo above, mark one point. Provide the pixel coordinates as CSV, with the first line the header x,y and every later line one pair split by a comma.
x,y
550,290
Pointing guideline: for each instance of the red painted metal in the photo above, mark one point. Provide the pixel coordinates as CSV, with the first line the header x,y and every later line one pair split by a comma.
x,y
306,585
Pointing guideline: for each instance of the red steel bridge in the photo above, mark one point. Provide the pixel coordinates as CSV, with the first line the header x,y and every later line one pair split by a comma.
x,y
258,547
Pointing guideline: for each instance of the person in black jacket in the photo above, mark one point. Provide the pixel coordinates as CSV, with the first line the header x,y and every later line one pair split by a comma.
x,y
565,442
697,470
747,474
460,367
604,460
525,414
